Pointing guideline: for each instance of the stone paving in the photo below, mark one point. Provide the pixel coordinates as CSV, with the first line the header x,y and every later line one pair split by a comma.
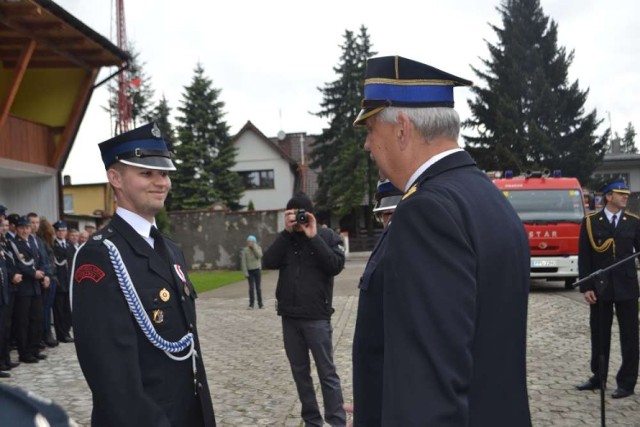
x,y
251,383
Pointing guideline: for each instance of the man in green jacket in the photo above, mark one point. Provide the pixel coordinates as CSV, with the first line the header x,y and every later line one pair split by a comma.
x,y
250,263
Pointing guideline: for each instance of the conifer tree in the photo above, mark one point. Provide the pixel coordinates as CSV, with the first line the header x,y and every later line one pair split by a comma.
x,y
526,114
203,150
346,171
161,115
629,139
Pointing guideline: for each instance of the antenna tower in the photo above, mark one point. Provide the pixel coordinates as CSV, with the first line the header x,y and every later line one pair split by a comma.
x,y
124,102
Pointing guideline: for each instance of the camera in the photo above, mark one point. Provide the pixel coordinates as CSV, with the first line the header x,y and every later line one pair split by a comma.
x,y
301,216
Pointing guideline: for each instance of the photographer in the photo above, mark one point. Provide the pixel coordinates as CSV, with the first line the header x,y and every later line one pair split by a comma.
x,y
308,258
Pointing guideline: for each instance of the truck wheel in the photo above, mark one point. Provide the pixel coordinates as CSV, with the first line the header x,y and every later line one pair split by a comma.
x,y
568,283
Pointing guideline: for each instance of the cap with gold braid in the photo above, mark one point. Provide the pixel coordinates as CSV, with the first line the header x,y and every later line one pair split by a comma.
x,y
394,81
616,186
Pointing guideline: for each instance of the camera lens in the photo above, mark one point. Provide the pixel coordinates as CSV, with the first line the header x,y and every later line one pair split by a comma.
x,y
301,216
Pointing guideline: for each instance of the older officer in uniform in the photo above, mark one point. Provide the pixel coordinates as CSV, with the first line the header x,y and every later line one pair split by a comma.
x,y
441,330
607,237
134,317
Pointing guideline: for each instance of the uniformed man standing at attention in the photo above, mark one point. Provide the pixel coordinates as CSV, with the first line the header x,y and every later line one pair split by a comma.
x,y
134,317
606,237
441,330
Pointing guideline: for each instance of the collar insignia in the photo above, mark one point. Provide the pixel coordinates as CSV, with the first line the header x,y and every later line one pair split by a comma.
x,y
412,190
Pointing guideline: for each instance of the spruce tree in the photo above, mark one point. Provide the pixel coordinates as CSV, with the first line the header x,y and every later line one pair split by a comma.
x,y
346,171
203,149
527,115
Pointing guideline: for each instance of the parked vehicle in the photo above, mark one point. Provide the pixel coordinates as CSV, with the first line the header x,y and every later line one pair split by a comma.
x,y
551,208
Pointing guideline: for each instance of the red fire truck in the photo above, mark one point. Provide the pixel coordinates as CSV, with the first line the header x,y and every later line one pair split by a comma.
x,y
551,209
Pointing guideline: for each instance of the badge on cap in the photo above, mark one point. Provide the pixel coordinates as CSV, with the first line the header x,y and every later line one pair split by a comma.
x,y
158,316
165,295
155,131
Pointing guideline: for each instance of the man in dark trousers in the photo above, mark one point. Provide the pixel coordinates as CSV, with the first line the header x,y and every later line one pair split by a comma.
x,y
308,258
441,330
607,237
28,306
63,253
134,316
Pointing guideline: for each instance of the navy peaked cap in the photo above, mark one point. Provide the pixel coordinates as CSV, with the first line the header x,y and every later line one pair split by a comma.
x,y
387,196
394,81
60,225
142,147
617,186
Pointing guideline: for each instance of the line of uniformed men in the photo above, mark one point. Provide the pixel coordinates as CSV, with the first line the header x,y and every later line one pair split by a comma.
x,y
35,265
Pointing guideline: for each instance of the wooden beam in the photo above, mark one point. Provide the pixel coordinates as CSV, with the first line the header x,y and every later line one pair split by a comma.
x,y
18,75
44,42
73,121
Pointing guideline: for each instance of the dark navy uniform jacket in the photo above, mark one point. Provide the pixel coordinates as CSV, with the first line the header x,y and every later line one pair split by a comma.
x,y
623,280
63,266
134,383
27,260
441,329
4,279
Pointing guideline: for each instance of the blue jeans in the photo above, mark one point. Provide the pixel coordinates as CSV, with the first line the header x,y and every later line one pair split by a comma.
x,y
254,282
300,337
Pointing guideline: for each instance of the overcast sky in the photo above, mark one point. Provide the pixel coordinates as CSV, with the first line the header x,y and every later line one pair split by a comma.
x,y
269,58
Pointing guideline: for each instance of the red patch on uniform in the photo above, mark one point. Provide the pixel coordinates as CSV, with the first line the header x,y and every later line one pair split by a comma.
x,y
89,271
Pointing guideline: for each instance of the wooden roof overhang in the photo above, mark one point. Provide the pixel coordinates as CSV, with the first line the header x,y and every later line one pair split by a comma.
x,y
39,34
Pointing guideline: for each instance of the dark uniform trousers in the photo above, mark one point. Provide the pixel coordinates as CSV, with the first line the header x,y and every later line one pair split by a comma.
x,y
135,384
8,308
620,293
28,308
4,307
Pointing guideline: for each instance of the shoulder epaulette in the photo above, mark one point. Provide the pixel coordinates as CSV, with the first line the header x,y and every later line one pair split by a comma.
x,y
592,214
632,215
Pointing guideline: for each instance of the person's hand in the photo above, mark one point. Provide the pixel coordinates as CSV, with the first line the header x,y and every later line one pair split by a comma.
x,y
348,408
590,297
46,282
39,274
17,278
290,220
310,228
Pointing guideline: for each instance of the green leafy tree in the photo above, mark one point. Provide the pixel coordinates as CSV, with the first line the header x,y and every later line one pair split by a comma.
x,y
527,115
140,93
203,150
346,172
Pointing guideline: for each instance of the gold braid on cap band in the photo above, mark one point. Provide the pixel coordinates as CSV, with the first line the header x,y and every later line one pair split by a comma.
x,y
607,243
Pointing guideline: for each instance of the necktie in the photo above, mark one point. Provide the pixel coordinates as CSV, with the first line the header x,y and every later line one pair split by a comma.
x,y
158,244
613,221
